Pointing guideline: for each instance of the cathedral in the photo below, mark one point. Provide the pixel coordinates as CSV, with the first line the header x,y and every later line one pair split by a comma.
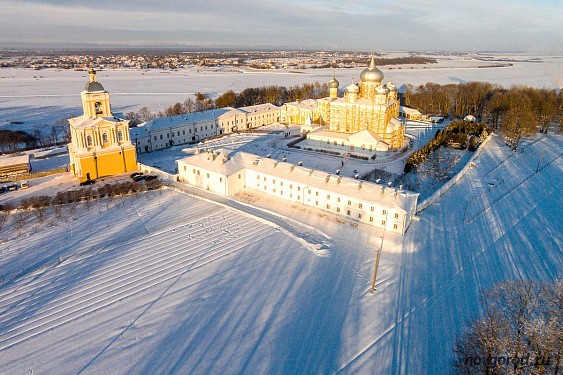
x,y
100,144
370,108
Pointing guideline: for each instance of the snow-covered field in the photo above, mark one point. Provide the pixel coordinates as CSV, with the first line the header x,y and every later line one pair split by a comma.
x,y
166,283
40,98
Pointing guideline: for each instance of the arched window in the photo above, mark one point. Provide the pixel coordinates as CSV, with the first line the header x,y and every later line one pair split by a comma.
x,y
89,141
119,136
105,138
98,107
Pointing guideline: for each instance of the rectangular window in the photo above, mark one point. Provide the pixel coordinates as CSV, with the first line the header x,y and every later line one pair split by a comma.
x,y
291,186
316,193
274,190
298,188
396,216
257,176
208,175
198,172
338,199
309,191
155,137
348,212
274,182
194,170
239,176
359,216
220,179
161,136
395,226
371,209
382,222
371,219
349,203
328,196
264,179
265,188
384,212
167,135
328,206
316,203
359,205
337,209
185,169
184,132
281,183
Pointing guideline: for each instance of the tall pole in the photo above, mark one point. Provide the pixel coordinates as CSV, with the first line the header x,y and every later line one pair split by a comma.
x,y
378,254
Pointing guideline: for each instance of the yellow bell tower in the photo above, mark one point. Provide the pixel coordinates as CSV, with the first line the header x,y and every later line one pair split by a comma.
x,y
100,144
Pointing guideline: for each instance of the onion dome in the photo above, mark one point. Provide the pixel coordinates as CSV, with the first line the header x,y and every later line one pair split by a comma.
x,y
382,90
352,88
93,85
371,73
333,83
391,86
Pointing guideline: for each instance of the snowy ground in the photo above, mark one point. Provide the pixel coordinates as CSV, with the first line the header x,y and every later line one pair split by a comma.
x,y
166,283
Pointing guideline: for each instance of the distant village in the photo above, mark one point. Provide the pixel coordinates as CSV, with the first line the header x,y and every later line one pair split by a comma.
x,y
179,60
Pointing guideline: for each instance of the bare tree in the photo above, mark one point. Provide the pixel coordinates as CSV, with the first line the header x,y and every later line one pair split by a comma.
x,y
20,219
3,219
521,331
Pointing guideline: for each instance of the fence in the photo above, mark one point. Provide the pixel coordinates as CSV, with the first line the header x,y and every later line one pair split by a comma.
x,y
164,176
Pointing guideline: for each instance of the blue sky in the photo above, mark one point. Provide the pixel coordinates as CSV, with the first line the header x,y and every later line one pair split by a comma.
x,y
384,25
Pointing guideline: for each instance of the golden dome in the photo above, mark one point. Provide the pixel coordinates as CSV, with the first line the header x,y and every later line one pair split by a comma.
x,y
333,83
371,73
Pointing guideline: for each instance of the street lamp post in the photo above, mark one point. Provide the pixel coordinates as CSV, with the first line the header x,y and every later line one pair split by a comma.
x,y
378,255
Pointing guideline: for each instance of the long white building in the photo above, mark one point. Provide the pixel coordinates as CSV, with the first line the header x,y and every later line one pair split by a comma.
x,y
165,132
362,201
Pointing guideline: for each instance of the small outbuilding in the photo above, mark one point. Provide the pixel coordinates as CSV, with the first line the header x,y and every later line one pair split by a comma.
x,y
14,165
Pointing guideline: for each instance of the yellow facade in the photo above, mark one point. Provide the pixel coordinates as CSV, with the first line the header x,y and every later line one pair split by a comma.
x,y
100,144
370,105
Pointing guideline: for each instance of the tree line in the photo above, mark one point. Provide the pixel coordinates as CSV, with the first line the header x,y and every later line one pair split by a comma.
x,y
277,95
516,112
459,134
38,205
16,140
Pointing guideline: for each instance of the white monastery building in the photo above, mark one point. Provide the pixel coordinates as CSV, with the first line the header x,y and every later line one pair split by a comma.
x,y
373,204
165,132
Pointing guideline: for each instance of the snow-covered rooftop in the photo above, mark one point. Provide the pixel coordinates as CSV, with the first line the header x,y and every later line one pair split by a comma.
x,y
6,161
194,117
138,132
221,162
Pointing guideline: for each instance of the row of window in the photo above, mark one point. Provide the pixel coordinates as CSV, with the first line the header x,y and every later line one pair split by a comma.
x,y
338,209
328,197
105,138
183,133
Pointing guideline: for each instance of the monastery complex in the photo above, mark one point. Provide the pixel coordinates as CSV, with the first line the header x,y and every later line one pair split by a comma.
x,y
365,118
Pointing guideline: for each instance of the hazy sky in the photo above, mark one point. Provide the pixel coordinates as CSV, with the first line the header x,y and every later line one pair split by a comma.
x,y
378,25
